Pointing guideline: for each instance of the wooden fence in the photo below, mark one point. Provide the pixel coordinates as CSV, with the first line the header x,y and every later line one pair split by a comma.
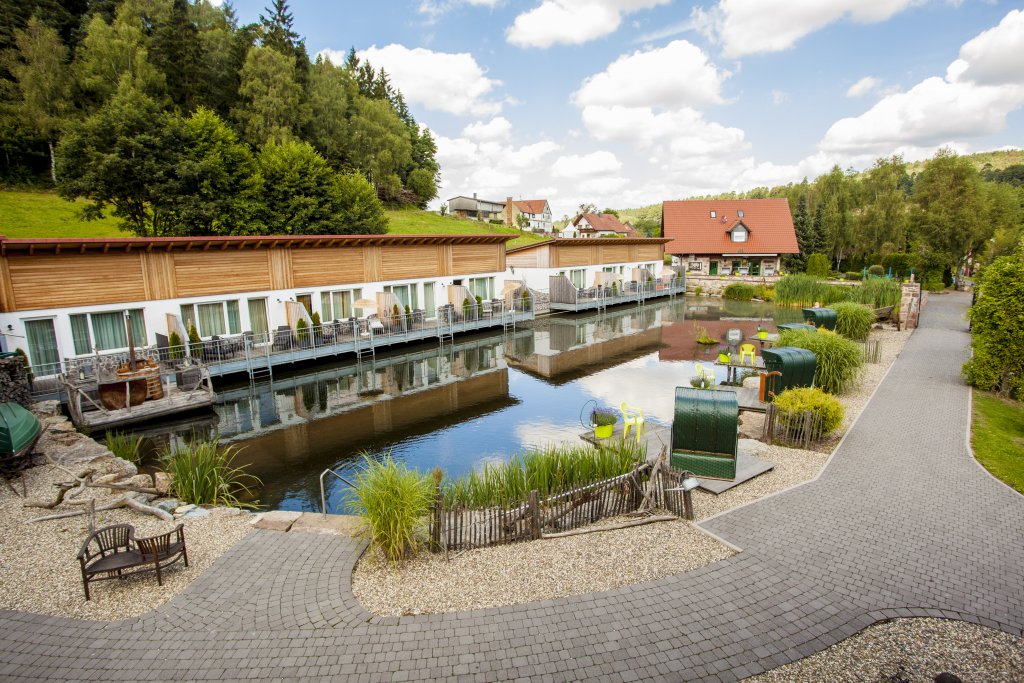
x,y
455,527
801,429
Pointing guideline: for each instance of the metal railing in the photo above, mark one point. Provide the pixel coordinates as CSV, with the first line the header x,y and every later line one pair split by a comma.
x,y
323,494
611,295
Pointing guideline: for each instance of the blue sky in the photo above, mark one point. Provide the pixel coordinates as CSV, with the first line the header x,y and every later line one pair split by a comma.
x,y
630,102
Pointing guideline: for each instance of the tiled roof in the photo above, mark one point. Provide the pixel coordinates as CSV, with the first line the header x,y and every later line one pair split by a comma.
x,y
531,205
693,231
605,221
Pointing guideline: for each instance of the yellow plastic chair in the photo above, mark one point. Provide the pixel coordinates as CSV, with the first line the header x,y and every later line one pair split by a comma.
x,y
632,418
747,350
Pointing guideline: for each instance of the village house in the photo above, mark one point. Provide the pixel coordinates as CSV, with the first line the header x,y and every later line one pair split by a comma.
x,y
598,225
476,209
729,236
536,211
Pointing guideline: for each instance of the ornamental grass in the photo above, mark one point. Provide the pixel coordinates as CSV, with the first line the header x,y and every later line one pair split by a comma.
x,y
394,503
203,473
792,403
853,320
838,360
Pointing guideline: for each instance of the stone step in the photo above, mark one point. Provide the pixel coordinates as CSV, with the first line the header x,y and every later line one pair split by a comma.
x,y
308,522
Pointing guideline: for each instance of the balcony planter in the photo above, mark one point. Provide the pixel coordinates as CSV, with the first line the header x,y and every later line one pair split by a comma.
x,y
603,422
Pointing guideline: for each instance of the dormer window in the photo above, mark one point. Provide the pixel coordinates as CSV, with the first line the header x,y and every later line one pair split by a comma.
x,y
740,213
739,234
713,215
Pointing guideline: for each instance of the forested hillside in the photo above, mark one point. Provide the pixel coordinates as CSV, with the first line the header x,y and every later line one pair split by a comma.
x,y
179,121
931,215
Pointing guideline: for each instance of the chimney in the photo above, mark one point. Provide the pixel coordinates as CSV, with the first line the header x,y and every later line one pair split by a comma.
x,y
508,210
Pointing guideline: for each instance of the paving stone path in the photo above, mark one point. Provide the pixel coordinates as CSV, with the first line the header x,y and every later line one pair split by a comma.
x,y
901,523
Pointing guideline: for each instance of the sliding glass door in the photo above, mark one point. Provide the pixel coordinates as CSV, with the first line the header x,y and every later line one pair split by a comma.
x,y
43,355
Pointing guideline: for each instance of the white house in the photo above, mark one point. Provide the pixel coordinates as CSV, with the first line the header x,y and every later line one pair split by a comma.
x,y
536,211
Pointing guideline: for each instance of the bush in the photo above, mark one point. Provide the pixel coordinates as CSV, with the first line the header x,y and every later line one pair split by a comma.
x,y
852,276
997,329
838,359
302,330
818,265
202,473
316,319
854,320
394,503
175,349
195,344
125,446
876,270
792,402
741,291
764,292
900,264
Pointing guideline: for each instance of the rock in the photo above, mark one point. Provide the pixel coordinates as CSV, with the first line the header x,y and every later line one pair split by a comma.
x,y
163,482
228,512
752,382
46,408
81,449
143,481
334,525
277,520
169,505
107,479
108,464
146,498
184,508
196,513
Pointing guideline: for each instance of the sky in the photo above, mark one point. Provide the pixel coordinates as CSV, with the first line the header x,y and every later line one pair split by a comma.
x,y
624,103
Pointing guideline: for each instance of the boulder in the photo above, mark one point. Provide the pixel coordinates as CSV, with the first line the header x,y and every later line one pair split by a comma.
x,y
163,482
169,505
195,513
184,508
142,481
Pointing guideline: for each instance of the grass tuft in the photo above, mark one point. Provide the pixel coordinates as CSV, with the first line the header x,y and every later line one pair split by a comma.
x,y
202,473
394,503
125,446
853,320
838,360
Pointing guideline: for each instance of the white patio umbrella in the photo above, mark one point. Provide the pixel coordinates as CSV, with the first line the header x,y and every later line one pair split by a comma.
x,y
365,303
510,286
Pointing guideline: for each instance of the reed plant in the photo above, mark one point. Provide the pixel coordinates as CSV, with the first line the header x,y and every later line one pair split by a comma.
x,y
853,320
394,503
125,446
877,292
741,291
550,470
204,473
804,290
701,333
838,360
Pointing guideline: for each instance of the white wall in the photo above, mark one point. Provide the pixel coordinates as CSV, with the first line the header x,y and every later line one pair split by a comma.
x,y
537,278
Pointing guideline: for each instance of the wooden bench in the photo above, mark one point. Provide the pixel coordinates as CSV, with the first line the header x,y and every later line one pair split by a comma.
x,y
113,552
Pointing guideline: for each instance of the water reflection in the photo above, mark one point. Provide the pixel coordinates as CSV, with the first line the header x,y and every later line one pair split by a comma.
x,y
479,399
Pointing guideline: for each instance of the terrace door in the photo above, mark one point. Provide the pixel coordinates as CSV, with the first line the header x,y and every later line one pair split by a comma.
x,y
43,355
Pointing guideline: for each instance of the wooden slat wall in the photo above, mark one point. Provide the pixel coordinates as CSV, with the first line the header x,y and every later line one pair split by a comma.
x,y
73,280
312,267
650,252
614,253
474,258
209,273
402,263
574,256
158,271
525,259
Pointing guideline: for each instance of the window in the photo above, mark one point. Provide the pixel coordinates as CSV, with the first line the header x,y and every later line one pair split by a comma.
x,y
42,347
608,269
214,317
406,295
482,287
576,276
106,331
338,305
307,301
740,213
739,234
713,214
429,300
258,316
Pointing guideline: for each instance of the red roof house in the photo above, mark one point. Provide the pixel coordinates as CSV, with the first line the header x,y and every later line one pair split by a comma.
x,y
729,236
598,224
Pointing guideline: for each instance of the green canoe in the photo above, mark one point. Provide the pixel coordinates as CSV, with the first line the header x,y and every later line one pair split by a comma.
x,y
19,430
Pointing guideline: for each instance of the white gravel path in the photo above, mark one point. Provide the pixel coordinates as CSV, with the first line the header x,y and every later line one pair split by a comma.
x,y
39,570
911,650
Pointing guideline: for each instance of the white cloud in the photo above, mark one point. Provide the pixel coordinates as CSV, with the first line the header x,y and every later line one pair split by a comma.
x,y
571,22
444,81
435,8
602,186
746,27
980,89
681,132
497,128
597,163
778,97
863,87
993,57
494,169
678,74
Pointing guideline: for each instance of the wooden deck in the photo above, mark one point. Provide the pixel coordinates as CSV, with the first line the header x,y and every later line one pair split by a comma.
x,y
174,402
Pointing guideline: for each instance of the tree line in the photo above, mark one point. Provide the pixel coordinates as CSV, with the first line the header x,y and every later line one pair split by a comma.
x,y
939,220
184,122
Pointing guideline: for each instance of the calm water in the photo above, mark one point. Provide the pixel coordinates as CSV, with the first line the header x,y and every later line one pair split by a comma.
x,y
482,398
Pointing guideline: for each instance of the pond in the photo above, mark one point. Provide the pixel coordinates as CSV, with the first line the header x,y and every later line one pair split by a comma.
x,y
482,398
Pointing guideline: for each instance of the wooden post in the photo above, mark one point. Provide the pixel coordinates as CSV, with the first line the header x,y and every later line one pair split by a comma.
x,y
534,514
435,533
92,515
687,499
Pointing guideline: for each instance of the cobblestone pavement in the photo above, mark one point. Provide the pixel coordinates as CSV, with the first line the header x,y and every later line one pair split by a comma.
x,y
901,523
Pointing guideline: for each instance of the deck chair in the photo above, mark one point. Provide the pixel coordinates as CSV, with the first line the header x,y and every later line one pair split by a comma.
x,y
747,350
632,418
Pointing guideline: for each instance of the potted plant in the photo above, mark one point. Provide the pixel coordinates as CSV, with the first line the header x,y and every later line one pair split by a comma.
x,y
466,307
603,422
701,381
317,328
302,332
195,344
396,318
762,333
724,354
615,289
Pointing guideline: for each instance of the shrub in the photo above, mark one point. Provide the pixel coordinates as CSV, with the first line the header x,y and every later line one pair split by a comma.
x,y
877,293
698,290
853,320
302,330
852,276
203,473
900,264
792,402
932,281
997,329
195,344
876,270
764,292
125,446
316,319
174,350
394,503
818,265
741,291
838,359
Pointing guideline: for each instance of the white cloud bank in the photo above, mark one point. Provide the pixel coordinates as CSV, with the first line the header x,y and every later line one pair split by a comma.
x,y
862,87
572,22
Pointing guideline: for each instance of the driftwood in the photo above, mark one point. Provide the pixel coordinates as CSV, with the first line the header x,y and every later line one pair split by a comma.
x,y
64,488
119,503
126,487
612,527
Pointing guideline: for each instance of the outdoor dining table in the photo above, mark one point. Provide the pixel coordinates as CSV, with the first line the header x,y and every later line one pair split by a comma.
x,y
734,367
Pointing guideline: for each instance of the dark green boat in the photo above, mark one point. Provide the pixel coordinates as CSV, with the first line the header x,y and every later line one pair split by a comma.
x,y
19,430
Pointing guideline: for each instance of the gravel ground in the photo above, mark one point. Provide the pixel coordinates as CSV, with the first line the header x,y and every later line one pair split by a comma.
x,y
911,651
39,570
535,570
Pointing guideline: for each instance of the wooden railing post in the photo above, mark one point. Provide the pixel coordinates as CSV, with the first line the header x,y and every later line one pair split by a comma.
x,y
534,514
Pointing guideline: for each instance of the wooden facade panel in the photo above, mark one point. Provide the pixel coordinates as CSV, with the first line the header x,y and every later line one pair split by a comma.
x,y
158,271
403,263
524,259
208,273
475,258
650,252
57,281
328,266
281,273
573,256
614,253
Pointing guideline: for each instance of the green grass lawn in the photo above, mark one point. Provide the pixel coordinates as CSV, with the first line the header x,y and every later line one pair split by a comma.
x,y
44,214
998,437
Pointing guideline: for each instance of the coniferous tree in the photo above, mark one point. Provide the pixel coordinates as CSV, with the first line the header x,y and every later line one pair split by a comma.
x,y
175,49
802,227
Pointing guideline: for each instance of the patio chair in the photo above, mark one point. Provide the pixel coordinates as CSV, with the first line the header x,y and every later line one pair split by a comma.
x,y
108,551
747,350
282,338
632,418
163,550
